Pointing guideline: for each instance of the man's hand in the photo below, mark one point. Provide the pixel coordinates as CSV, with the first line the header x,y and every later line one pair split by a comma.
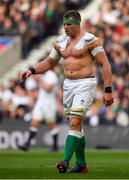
x,y
108,99
25,74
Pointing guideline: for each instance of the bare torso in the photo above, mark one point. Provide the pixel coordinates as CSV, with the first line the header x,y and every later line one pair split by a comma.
x,y
78,63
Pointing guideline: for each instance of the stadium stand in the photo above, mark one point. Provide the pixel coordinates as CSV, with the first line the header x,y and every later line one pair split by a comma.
x,y
9,47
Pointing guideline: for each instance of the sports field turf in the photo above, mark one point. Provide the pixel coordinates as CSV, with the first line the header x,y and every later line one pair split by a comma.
x,y
40,164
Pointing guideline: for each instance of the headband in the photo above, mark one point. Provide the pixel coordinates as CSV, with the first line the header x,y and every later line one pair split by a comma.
x,y
71,20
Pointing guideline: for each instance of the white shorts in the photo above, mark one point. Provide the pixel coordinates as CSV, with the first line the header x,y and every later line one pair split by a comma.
x,y
78,95
45,108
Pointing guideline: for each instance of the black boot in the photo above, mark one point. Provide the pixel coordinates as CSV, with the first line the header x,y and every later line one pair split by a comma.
x,y
26,146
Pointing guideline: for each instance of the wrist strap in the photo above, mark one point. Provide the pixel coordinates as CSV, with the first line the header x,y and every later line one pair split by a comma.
x,y
108,89
33,71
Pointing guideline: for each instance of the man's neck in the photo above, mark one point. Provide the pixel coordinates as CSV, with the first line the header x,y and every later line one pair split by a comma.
x,y
77,34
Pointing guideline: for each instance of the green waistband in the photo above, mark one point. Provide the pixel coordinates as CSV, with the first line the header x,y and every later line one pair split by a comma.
x,y
71,20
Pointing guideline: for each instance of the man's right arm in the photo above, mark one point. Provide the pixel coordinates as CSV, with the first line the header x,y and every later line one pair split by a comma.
x,y
42,66
49,62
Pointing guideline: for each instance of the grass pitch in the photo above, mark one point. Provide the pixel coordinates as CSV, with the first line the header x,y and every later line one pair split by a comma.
x,y
40,164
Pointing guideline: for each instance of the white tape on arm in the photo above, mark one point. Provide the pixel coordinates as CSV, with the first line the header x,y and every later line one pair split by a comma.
x,y
96,50
54,55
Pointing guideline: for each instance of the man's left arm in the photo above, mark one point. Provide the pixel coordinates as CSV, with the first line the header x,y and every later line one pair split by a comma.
x,y
102,59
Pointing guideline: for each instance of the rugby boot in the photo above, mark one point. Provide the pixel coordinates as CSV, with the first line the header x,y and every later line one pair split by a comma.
x,y
53,149
23,147
62,166
77,169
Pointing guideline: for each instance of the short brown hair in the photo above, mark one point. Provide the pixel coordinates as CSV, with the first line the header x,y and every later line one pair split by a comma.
x,y
72,13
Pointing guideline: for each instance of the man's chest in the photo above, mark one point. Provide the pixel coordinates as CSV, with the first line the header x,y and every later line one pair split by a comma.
x,y
75,49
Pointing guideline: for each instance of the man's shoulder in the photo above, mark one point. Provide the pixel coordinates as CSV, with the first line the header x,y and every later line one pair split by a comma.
x,y
89,37
61,38
61,42
92,41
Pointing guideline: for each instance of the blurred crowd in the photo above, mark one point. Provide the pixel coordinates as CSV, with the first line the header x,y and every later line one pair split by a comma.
x,y
17,101
110,23
33,20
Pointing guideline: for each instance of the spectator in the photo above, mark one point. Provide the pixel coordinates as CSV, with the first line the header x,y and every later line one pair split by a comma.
x,y
44,109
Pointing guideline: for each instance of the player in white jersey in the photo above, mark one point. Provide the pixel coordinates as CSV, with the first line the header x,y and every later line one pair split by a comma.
x,y
44,110
79,50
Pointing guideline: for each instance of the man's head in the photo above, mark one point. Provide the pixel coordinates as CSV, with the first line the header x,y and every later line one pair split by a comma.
x,y
72,17
71,21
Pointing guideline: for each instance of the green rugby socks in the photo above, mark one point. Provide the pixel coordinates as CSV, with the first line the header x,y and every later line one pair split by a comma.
x,y
80,153
71,144
75,142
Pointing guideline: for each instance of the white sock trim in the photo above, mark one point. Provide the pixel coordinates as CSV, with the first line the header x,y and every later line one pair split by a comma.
x,y
54,131
82,133
75,133
33,129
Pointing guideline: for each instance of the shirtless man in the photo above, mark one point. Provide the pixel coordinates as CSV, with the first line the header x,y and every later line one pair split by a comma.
x,y
79,50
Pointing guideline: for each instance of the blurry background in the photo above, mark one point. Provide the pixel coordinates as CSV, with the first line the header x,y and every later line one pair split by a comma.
x,y
28,29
